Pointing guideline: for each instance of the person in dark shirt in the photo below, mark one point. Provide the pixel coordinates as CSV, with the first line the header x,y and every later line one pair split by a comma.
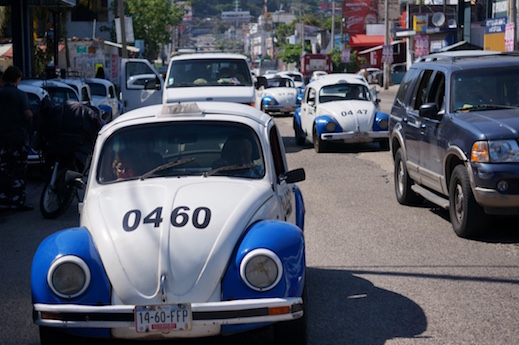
x,y
68,129
15,125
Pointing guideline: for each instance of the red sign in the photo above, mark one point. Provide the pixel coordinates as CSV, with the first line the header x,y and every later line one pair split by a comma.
x,y
358,14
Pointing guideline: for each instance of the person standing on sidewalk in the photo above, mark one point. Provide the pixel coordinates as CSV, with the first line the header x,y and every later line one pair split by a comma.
x,y
15,124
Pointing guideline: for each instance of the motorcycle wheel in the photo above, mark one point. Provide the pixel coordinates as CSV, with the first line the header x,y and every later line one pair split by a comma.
x,y
56,199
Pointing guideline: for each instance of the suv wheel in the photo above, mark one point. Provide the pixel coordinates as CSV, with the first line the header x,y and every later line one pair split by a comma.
x,y
403,182
467,216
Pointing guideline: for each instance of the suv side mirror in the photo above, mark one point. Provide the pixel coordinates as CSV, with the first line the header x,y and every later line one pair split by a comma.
x,y
261,81
429,110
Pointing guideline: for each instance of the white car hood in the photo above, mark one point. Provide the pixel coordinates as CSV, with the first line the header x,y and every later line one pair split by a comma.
x,y
352,115
283,95
224,93
192,259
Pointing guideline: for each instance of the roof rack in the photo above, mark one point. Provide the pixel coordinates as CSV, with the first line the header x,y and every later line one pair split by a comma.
x,y
459,54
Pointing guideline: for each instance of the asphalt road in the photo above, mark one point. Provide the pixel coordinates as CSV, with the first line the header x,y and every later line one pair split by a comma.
x,y
378,272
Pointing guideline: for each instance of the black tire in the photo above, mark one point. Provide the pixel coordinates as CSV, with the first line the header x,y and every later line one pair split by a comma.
x,y
404,193
467,217
294,331
51,336
320,145
55,200
298,134
262,107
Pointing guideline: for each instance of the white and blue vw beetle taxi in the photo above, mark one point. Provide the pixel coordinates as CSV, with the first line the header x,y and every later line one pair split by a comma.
x,y
340,108
191,226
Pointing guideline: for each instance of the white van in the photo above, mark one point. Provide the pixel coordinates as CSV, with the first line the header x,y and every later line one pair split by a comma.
x,y
209,77
190,77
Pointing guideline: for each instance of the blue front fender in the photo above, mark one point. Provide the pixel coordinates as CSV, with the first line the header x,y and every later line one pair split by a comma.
x,y
76,242
269,100
321,121
284,239
287,242
300,208
381,121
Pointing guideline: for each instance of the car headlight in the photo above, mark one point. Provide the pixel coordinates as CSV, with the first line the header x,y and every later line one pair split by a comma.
x,y
495,151
331,126
270,101
261,269
68,276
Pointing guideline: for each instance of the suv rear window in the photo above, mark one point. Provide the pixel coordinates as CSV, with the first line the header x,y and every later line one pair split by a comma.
x,y
208,72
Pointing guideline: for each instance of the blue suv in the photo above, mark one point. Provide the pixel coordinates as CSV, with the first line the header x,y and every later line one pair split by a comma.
x,y
454,136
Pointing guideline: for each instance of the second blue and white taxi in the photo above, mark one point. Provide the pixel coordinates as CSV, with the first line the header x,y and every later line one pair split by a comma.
x,y
277,94
340,108
191,226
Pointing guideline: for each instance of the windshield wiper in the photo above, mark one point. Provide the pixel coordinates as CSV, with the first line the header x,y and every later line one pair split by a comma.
x,y
229,168
165,167
484,107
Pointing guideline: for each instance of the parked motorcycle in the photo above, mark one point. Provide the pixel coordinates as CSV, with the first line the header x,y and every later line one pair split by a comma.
x,y
59,192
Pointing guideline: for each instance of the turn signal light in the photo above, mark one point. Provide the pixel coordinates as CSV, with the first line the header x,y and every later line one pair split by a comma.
x,y
279,310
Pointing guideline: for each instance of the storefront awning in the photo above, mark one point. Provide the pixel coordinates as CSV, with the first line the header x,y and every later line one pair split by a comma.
x,y
366,41
43,3
67,3
378,47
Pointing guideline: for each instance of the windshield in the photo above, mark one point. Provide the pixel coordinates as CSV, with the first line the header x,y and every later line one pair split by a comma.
x,y
485,89
192,148
97,89
209,72
280,82
60,95
344,92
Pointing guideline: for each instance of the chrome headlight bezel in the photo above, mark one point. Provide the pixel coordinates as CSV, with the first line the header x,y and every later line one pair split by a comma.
x,y
261,260
64,268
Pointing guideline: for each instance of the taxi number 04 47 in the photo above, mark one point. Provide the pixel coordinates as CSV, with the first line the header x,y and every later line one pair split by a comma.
x,y
180,216
175,317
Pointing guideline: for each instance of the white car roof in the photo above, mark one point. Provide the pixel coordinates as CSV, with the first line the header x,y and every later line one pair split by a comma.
x,y
99,81
290,72
46,83
190,110
36,90
208,56
336,78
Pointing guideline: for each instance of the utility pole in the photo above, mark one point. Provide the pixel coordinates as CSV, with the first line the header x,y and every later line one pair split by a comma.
x,y
513,20
302,31
333,25
122,24
387,43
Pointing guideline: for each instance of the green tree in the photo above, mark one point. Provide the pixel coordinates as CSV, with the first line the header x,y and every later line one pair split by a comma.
x,y
353,66
151,19
290,53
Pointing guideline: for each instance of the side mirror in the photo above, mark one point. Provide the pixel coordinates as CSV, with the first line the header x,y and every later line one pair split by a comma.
x,y
76,178
429,110
293,176
261,81
152,84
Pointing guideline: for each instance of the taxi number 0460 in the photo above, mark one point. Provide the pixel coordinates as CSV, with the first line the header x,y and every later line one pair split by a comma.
x,y
180,216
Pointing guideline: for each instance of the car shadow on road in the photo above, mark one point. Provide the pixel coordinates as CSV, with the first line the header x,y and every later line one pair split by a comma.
x,y
346,309
499,230
292,147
